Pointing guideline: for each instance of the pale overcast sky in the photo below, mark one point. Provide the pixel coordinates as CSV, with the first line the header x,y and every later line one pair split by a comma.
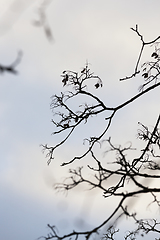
x,y
97,31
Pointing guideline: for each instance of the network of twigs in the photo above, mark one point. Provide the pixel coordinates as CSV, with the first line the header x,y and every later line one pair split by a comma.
x,y
127,171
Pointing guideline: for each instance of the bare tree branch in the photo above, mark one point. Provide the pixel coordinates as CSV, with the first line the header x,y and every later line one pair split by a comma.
x,y
132,176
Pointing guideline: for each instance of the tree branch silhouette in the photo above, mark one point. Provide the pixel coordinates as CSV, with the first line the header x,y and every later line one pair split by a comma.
x,y
11,68
124,169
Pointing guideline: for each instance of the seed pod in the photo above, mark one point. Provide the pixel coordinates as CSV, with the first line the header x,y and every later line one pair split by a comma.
x,y
83,70
65,79
145,75
154,54
96,85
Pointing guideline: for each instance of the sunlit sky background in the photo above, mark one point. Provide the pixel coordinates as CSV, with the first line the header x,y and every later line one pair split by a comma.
x,y
97,31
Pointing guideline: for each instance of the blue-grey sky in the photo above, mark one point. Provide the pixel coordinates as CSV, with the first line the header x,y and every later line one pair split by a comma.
x,y
93,30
